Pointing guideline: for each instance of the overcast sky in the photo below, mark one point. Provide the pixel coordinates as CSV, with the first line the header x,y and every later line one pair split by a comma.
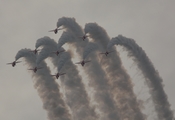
x,y
22,22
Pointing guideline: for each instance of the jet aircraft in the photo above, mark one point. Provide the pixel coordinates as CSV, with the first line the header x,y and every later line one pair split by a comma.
x,y
14,63
83,37
56,30
106,53
58,74
58,52
34,51
82,62
35,69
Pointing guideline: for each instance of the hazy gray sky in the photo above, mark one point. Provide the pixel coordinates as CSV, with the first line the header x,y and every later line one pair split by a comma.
x,y
22,22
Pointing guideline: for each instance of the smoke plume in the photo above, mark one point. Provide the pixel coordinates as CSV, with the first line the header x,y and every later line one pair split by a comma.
x,y
158,94
76,96
72,81
66,37
63,59
109,84
97,77
88,49
120,82
47,88
49,49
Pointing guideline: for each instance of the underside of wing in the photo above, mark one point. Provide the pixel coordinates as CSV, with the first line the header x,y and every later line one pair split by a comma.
x,y
60,28
62,50
102,53
18,61
39,68
53,52
51,30
62,73
110,51
52,75
87,61
78,63
30,69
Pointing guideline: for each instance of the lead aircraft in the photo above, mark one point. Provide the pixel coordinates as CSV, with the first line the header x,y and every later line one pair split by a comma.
x,y
13,63
56,30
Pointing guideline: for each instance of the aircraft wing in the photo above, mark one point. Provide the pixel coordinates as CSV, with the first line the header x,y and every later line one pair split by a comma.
x,y
53,52
18,61
30,69
78,63
62,73
60,28
102,53
62,50
87,61
110,51
39,68
52,75
51,30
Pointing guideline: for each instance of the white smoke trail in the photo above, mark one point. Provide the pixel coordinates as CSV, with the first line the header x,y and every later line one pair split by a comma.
x,y
67,36
72,81
97,77
90,47
121,85
71,26
44,53
76,96
49,46
47,88
63,59
70,23
158,94
113,42
45,41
